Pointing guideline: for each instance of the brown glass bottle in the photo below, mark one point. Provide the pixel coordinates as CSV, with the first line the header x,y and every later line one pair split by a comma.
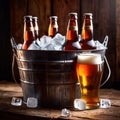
x,y
28,34
72,32
87,41
53,26
36,27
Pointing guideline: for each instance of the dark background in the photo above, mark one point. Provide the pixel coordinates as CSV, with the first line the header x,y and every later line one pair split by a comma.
x,y
106,20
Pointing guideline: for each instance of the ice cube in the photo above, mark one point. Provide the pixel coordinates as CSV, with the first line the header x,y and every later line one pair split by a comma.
x,y
19,46
105,103
34,46
99,45
59,39
76,45
32,102
49,47
91,43
45,41
80,104
79,38
65,112
16,101
38,42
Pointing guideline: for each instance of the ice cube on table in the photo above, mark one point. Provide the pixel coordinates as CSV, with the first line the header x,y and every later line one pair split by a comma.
x,y
16,101
105,103
65,112
32,102
80,104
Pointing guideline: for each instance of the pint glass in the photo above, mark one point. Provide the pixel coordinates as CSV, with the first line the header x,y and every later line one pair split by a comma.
x,y
89,68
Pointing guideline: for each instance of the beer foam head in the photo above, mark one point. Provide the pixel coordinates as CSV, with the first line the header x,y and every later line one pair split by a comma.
x,y
89,58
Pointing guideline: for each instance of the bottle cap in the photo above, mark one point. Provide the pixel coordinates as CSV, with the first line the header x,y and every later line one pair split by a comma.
x,y
55,17
88,14
35,18
73,15
28,17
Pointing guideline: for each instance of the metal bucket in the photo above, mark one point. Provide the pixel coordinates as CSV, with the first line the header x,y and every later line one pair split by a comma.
x,y
49,76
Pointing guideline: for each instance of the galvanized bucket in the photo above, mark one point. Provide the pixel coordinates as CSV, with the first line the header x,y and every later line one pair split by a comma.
x,y
48,76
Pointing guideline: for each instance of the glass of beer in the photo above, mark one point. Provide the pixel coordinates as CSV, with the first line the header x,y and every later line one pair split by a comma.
x,y
89,69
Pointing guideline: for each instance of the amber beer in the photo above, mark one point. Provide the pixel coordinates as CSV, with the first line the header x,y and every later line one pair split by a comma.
x,y
89,70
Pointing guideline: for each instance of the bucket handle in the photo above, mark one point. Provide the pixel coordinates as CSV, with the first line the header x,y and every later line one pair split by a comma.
x,y
105,42
109,72
14,48
13,73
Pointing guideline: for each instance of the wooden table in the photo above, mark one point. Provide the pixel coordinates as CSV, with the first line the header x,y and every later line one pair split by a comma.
x,y
7,111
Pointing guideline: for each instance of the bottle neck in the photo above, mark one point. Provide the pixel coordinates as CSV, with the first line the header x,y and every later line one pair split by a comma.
x,y
72,30
72,33
87,29
53,27
87,41
36,27
72,25
28,30
87,24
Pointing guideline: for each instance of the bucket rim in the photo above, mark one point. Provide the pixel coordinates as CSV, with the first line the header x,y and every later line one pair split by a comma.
x,y
92,50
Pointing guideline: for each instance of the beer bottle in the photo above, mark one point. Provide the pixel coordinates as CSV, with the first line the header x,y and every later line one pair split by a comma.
x,y
36,27
87,41
53,26
28,34
72,33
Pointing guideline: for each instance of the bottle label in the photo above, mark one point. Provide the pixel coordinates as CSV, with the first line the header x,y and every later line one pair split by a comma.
x,y
73,28
54,26
88,27
29,29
